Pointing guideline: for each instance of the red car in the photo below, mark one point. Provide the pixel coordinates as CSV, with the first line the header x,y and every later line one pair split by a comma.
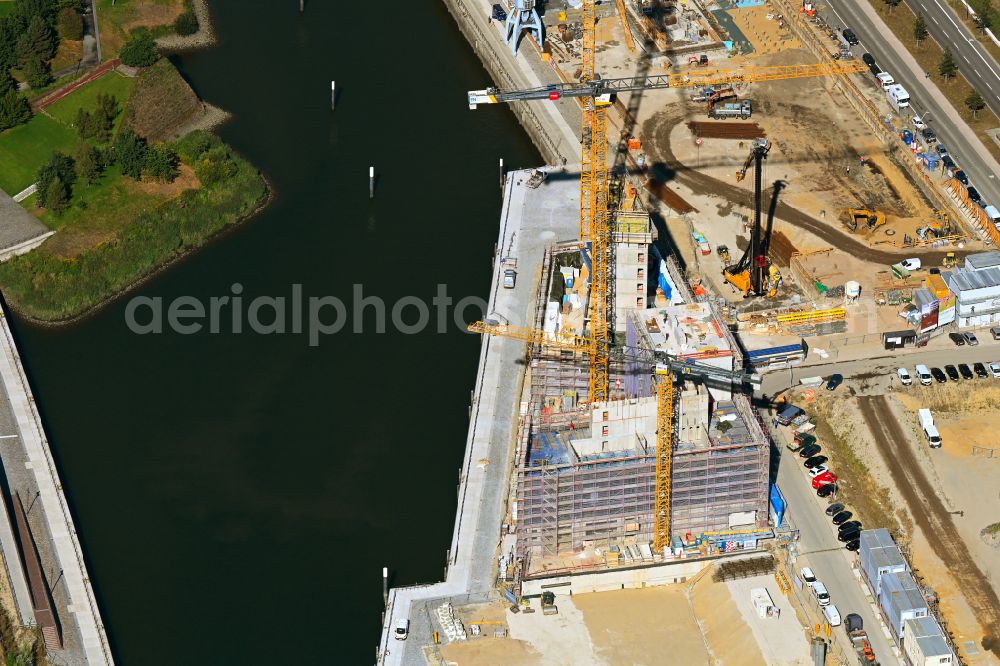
x,y
823,479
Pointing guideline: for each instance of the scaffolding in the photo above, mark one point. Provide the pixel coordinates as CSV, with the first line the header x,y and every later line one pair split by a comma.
x,y
572,495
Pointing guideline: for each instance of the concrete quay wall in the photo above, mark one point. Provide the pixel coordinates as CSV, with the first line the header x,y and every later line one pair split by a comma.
x,y
31,470
470,15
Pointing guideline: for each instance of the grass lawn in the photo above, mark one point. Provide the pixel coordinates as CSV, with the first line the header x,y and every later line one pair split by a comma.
x,y
6,7
116,20
928,53
117,199
111,83
25,148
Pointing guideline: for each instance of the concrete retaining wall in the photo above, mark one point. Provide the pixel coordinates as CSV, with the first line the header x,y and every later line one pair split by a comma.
x,y
471,25
616,579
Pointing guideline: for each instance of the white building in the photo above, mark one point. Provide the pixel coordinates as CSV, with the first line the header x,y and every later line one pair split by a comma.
x,y
977,294
633,235
924,643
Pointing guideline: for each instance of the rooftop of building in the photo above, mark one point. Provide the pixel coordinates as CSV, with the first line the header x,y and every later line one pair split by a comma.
x,y
963,279
560,448
689,330
726,428
980,260
927,632
903,590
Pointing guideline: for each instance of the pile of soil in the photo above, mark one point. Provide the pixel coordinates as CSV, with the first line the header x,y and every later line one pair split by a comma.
x,y
161,101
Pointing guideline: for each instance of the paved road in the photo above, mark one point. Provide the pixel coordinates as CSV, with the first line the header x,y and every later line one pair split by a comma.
x,y
886,363
888,53
820,550
974,61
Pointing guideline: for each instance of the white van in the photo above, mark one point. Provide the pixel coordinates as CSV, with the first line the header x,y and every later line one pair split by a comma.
x,y
933,436
832,615
402,629
924,375
807,575
822,596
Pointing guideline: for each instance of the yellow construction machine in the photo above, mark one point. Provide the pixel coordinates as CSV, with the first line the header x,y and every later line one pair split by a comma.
x,y
872,219
949,261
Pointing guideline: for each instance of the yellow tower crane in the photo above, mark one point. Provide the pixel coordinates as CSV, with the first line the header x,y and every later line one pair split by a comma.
x,y
664,366
594,226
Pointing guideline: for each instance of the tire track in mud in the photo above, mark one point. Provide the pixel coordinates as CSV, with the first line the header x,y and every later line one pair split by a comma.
x,y
933,518
700,183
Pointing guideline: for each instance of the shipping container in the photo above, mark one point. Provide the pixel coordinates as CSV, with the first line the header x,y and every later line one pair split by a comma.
x,y
925,644
900,600
879,556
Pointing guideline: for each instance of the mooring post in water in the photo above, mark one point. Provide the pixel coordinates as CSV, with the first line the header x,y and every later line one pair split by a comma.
x,y
385,586
371,182
302,6
501,174
333,95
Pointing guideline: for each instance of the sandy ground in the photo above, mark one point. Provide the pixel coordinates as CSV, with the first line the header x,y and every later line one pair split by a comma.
x,y
702,622
781,639
766,35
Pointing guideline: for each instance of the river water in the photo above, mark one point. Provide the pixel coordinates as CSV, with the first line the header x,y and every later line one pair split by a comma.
x,y
238,494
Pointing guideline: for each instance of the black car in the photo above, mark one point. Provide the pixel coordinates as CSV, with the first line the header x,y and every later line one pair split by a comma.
x,y
834,381
946,160
842,517
929,135
966,372
849,525
974,195
834,509
952,372
943,152
815,461
809,451
826,490
957,339
938,375
853,622
961,177
849,35
853,545
849,535
868,59
980,370
498,13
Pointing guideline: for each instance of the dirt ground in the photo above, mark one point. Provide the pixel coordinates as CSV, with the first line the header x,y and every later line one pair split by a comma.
x,y
702,622
766,35
933,517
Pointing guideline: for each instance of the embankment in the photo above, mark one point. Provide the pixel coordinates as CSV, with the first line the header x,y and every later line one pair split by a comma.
x,y
492,53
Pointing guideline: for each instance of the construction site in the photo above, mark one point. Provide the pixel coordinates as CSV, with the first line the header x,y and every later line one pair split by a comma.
x,y
745,198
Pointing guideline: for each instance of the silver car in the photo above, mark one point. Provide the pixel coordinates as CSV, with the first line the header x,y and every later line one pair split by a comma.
x,y
970,339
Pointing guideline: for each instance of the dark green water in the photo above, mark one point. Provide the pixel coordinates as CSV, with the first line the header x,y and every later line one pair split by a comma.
x,y
237,495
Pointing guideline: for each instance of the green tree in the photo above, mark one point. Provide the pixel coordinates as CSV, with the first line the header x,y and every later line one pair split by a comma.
x,y
84,124
186,23
10,32
59,167
29,9
14,109
37,73
38,41
215,166
130,153
69,24
107,111
7,81
89,162
975,102
892,4
139,50
161,164
985,13
56,196
947,67
919,28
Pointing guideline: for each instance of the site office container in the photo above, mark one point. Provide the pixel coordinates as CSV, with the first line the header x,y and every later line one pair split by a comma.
x,y
925,644
879,555
900,600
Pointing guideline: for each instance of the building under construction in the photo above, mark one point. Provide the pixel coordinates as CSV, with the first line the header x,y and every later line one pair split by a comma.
x,y
586,474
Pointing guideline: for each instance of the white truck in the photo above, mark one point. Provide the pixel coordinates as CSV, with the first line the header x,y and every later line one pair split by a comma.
x,y
930,430
898,98
885,79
